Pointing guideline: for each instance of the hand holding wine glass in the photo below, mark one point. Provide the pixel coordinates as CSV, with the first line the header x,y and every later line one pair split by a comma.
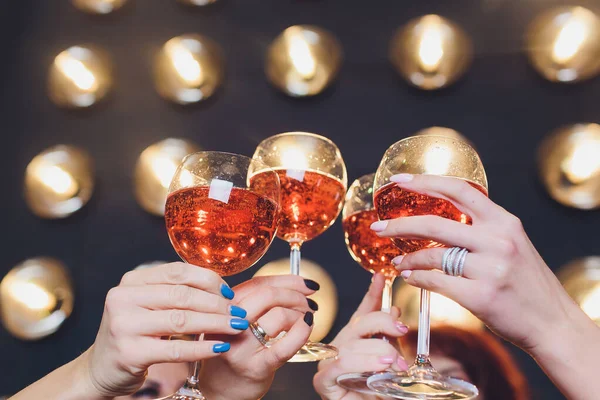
x,y
148,305
433,155
506,283
278,304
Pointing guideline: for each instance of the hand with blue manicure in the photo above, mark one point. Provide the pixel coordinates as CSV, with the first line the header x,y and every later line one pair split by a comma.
x,y
277,303
147,306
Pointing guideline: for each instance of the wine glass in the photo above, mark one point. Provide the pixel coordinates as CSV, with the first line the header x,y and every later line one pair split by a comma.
x,y
372,252
433,155
218,217
313,182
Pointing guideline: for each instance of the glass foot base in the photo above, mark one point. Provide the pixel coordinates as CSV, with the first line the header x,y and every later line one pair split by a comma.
x,y
357,382
312,352
401,385
185,394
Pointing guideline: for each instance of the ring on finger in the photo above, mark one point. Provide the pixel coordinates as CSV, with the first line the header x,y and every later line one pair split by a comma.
x,y
260,334
453,261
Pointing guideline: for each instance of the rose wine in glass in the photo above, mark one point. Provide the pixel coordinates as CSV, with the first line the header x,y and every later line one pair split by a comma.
x,y
218,218
372,252
224,237
433,155
313,182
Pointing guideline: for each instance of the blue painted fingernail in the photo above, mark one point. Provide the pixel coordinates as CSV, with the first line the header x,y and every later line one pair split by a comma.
x,y
226,291
236,311
240,324
221,348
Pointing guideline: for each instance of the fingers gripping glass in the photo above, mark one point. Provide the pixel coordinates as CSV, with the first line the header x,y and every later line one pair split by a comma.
x,y
313,182
433,155
221,218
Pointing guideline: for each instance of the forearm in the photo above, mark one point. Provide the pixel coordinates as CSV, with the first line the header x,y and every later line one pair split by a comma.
x,y
571,356
69,382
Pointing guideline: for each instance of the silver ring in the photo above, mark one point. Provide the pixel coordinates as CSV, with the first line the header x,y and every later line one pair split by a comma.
x,y
460,262
259,333
453,261
448,260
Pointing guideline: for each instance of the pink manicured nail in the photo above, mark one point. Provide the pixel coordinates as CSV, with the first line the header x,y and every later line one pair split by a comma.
x,y
401,327
401,363
379,226
406,274
387,359
401,178
397,260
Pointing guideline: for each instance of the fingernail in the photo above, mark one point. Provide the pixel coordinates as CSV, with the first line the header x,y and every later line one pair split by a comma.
x,y
397,260
239,324
221,348
379,226
312,285
401,178
401,327
386,359
226,291
401,363
312,304
406,274
236,311
309,318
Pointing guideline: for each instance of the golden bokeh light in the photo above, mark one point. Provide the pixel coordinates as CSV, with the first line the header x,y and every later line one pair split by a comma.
x,y
563,44
188,69
59,181
569,165
431,52
99,6
155,169
326,297
36,297
197,2
443,310
79,77
581,280
303,60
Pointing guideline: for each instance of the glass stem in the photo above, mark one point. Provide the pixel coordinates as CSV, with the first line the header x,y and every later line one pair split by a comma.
x,y
295,259
386,297
191,388
424,331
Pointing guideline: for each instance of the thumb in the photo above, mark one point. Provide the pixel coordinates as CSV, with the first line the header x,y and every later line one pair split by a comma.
x,y
372,300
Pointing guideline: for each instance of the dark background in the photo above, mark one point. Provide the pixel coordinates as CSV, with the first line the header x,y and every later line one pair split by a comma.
x,y
502,105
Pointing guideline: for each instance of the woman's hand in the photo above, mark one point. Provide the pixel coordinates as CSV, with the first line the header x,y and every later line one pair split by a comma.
x,y
359,351
506,283
171,299
277,303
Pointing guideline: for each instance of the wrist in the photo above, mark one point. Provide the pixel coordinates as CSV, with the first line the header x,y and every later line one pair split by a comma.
x,y
566,339
83,385
216,384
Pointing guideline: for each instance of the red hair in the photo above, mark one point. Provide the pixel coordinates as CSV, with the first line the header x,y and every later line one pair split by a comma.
x,y
486,361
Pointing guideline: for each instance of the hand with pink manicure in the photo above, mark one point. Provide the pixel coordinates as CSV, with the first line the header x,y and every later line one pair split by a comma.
x,y
505,281
359,351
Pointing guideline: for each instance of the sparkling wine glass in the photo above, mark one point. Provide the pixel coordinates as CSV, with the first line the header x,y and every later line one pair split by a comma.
x,y
220,218
433,155
313,182
372,252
